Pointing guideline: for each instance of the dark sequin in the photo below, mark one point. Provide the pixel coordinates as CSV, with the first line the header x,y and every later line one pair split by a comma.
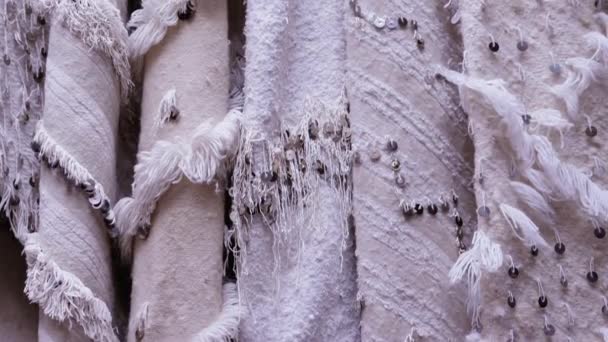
x,y
549,330
418,208
458,221
403,22
534,250
513,272
494,47
560,248
543,301
592,276
591,131
187,13
599,232
432,208
511,301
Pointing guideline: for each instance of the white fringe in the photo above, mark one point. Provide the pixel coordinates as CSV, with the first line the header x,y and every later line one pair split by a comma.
x,y
534,200
151,23
226,326
522,226
63,297
99,24
200,160
554,179
167,107
484,256
73,171
604,332
582,72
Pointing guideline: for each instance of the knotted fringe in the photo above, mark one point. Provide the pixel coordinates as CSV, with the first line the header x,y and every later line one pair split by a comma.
x,y
537,160
99,25
63,297
225,327
151,23
280,178
523,228
167,109
584,71
200,160
484,256
73,171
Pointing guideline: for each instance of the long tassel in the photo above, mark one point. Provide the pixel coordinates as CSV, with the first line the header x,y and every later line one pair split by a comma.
x,y
484,256
522,226
534,200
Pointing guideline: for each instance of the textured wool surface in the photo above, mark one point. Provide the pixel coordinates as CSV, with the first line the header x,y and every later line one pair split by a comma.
x,y
304,290
177,270
81,114
402,263
550,28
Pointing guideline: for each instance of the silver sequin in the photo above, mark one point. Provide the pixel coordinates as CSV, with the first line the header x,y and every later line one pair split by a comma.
x,y
379,23
392,24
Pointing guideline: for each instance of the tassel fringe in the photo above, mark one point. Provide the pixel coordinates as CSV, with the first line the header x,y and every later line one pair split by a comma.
x,y
63,297
484,256
100,26
523,228
151,23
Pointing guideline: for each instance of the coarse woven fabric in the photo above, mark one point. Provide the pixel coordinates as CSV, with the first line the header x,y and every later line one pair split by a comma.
x,y
177,270
554,33
81,114
402,263
303,290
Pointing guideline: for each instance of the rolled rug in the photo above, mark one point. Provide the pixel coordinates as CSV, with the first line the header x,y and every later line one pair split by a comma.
x,y
291,192
177,205
23,52
412,194
534,95
69,258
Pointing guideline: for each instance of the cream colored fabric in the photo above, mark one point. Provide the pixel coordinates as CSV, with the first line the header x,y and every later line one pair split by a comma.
x,y
402,263
297,281
550,28
177,270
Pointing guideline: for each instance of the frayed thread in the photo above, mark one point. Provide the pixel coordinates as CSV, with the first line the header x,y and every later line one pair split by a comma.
x,y
200,160
63,297
523,228
582,72
225,327
151,23
99,25
167,110
78,174
484,256
534,200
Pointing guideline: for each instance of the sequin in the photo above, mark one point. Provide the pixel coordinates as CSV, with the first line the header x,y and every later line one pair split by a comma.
x,y
174,113
432,208
402,22
522,45
6,59
591,131
563,281
592,276
534,250
407,209
357,158
395,165
543,301
418,208
458,221
392,146
494,47
313,129
483,211
391,24
379,23
549,330
420,43
187,12
555,68
459,233
526,118
599,232
511,301
374,155
560,248
513,272
400,181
